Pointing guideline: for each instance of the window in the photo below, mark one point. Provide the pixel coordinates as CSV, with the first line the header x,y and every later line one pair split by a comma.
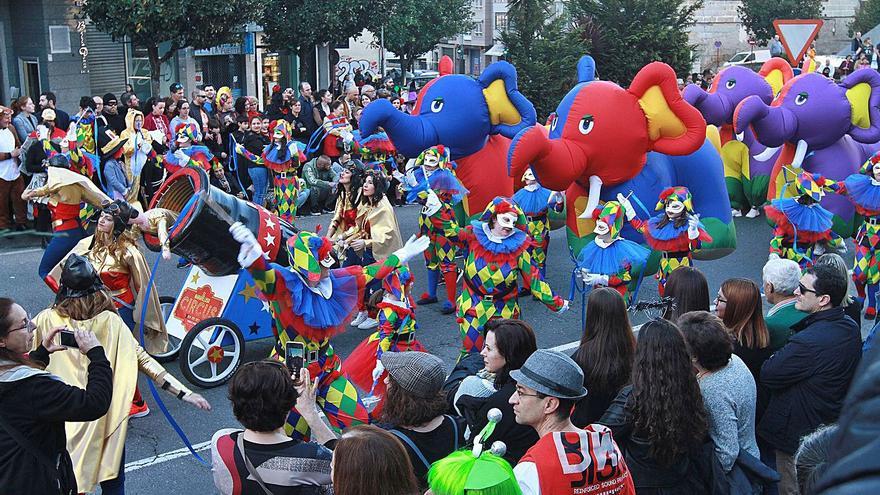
x,y
477,3
30,77
59,39
501,21
477,30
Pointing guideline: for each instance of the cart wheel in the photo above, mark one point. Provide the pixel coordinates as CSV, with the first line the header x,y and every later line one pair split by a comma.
x,y
166,304
211,352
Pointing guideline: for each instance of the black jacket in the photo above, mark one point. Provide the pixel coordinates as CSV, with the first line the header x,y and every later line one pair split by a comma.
x,y
37,407
808,378
305,114
854,455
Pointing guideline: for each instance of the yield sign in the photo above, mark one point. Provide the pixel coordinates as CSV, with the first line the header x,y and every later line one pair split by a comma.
x,y
796,36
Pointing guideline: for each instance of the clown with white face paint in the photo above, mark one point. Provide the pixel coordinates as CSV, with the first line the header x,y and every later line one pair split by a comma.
x,y
676,232
536,201
497,255
863,189
610,260
312,302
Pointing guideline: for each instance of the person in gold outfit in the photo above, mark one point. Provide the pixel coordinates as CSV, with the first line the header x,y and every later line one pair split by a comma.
x,y
83,303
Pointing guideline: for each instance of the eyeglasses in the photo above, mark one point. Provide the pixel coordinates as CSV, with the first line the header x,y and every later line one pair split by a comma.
x,y
521,393
803,289
720,299
29,326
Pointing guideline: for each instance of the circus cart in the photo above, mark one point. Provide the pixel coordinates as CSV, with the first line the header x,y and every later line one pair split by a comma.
x,y
218,307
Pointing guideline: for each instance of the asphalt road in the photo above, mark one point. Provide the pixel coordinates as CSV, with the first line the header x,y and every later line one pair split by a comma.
x,y
152,471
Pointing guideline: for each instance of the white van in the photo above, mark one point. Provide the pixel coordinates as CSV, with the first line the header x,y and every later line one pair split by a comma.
x,y
753,59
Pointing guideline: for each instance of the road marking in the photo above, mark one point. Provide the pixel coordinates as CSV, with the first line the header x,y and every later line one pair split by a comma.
x,y
22,251
176,454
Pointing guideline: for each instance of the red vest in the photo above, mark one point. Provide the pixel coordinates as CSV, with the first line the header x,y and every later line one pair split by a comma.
x,y
580,462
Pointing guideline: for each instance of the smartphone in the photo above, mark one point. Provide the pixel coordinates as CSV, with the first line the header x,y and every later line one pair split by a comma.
x,y
294,355
68,339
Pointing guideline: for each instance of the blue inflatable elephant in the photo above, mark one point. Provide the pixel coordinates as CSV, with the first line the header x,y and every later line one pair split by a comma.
x,y
474,118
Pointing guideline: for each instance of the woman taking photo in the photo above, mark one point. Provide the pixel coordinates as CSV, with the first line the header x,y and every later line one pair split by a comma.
x,y
98,448
660,422
507,345
34,404
605,354
738,304
370,461
374,237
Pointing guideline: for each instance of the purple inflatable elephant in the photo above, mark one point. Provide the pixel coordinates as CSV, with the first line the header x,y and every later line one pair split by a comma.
x,y
820,126
746,165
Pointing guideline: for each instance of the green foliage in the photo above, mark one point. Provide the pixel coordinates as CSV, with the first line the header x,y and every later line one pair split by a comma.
x,y
867,17
758,15
544,52
626,35
414,27
183,23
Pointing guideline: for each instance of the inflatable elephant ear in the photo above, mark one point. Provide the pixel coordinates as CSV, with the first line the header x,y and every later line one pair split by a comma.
x,y
674,126
776,72
863,92
509,111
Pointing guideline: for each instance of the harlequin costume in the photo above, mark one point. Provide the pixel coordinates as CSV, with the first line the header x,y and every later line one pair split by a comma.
x,y
536,201
378,152
64,191
863,190
438,189
675,237
337,132
611,262
396,333
491,270
282,156
312,314
800,222
190,154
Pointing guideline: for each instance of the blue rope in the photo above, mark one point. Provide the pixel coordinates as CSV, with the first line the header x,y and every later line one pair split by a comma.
x,y
314,143
153,390
233,163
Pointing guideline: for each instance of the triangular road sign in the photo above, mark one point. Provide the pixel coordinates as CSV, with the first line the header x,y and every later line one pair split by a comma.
x,y
796,36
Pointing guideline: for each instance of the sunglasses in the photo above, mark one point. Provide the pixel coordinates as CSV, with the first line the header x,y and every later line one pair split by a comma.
x,y
803,289
111,103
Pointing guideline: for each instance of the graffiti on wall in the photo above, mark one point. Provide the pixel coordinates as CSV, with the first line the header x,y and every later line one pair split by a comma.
x,y
348,65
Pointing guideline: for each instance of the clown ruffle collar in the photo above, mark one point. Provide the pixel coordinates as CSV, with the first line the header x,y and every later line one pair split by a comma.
x,y
443,182
804,223
534,202
512,244
196,152
612,259
283,158
863,192
316,310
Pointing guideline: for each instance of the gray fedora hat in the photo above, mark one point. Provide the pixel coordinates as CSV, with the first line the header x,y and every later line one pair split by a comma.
x,y
551,373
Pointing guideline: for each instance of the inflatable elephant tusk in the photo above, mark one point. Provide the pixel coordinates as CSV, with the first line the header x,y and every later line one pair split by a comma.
x,y
593,196
766,154
799,154
740,136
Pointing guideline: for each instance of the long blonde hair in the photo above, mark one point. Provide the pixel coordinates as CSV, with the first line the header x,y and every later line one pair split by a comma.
x,y
86,307
118,247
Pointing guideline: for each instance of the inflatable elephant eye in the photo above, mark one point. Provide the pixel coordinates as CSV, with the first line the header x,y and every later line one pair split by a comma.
x,y
730,84
586,124
801,98
437,105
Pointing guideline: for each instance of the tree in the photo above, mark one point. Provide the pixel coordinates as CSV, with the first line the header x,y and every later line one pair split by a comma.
x,y
182,23
418,25
758,15
626,35
300,26
867,17
544,51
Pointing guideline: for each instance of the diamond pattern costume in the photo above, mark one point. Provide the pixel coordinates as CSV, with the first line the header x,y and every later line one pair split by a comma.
x,y
491,269
536,202
312,315
864,192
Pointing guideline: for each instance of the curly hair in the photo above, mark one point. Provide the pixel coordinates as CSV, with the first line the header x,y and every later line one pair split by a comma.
x,y
667,405
706,339
403,409
262,394
118,247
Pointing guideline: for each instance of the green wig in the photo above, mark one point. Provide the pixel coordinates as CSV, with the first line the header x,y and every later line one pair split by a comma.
x,y
460,473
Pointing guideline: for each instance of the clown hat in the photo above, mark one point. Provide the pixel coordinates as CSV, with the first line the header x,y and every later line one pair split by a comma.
x,y
307,252
612,214
398,282
500,205
868,166
186,132
444,159
280,129
676,193
808,184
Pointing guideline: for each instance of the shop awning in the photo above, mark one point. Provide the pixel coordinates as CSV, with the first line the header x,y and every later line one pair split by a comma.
x,y
497,50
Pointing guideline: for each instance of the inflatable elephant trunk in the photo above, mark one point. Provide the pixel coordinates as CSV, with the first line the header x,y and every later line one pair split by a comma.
x,y
205,213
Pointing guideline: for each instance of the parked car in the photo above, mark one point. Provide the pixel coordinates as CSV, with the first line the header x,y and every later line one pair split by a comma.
x,y
752,59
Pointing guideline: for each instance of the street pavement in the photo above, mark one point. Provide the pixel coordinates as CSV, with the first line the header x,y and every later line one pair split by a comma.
x,y
150,467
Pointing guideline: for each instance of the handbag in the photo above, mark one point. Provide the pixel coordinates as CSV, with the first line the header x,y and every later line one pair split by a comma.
x,y
64,485
239,442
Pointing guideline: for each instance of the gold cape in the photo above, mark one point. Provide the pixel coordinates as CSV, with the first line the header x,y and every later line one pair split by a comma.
x,y
96,447
380,222
155,335
67,186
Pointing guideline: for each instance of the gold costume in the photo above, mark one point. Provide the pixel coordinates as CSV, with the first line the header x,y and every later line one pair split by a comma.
x,y
96,446
377,226
65,187
158,221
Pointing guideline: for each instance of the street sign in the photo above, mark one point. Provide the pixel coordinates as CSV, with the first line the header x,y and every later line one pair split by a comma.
x,y
717,44
796,36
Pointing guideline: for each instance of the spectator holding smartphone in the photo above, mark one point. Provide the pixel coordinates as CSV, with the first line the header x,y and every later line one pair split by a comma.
x,y
35,404
262,394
